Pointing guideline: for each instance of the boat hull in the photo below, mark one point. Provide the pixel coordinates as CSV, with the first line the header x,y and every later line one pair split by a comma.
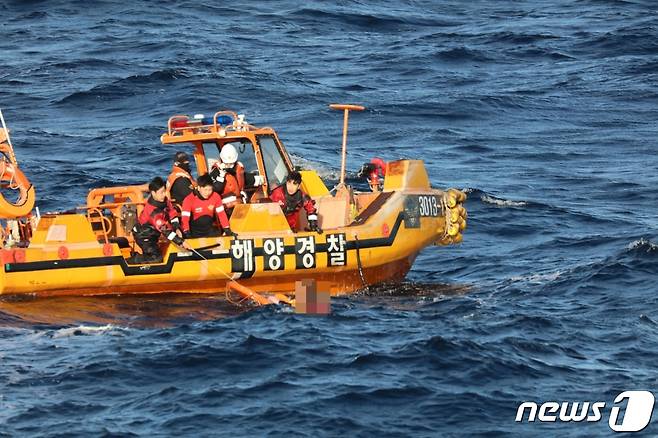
x,y
378,245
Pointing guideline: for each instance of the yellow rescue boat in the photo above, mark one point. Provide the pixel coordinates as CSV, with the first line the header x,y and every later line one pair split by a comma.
x,y
368,237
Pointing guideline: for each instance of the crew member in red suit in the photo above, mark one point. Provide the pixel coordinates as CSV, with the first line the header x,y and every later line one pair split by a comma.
x,y
203,213
159,217
292,199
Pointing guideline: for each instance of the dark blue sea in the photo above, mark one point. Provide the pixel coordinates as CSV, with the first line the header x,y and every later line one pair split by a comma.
x,y
545,113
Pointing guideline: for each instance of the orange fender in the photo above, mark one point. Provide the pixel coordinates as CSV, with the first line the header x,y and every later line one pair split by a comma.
x,y
12,177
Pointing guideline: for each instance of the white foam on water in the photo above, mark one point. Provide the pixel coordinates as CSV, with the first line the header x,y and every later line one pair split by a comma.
x,y
322,170
84,330
502,202
642,243
538,278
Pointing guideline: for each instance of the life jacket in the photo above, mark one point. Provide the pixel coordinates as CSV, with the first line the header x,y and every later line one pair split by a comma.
x,y
233,185
293,203
177,172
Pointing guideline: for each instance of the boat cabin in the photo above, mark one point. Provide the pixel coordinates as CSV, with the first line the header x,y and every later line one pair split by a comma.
x,y
112,211
260,149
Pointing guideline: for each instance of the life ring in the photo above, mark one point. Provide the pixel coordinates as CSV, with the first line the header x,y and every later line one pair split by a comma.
x,y
11,177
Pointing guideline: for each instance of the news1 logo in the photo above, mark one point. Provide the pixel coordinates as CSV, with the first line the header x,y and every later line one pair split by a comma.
x,y
633,418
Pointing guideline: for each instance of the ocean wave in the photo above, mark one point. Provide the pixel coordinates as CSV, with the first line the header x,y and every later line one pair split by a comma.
x,y
459,54
125,87
440,345
642,67
474,148
86,63
565,212
504,101
36,15
518,38
368,20
579,241
538,52
380,395
631,40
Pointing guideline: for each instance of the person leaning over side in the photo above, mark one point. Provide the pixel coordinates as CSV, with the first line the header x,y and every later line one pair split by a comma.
x,y
180,182
159,217
202,210
292,199
230,179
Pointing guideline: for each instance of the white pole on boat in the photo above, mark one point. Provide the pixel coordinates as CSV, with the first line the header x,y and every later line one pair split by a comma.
x,y
346,111
11,147
4,126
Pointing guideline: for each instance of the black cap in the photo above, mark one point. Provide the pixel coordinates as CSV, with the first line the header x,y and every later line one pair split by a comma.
x,y
181,157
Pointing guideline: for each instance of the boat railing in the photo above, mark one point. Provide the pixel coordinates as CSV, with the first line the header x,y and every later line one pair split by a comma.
x,y
95,215
220,123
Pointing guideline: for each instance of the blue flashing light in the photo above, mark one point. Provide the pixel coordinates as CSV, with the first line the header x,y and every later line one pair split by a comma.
x,y
224,120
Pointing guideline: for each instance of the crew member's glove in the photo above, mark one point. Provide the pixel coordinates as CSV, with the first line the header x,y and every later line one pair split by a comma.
x,y
175,238
244,197
366,170
258,180
175,224
313,226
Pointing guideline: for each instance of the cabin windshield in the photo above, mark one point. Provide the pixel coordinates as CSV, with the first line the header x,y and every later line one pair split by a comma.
x,y
245,149
275,166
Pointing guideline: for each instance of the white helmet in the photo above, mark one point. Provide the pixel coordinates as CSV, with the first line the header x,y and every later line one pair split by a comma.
x,y
229,154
